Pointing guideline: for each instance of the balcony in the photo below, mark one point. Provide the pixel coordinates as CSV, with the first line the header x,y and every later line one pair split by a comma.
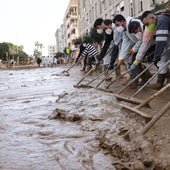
x,y
73,37
73,26
68,20
73,15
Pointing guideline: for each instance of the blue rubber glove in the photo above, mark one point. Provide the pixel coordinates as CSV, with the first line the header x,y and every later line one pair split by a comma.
x,y
132,67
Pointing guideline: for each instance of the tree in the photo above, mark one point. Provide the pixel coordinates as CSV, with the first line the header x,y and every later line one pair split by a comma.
x,y
37,52
92,37
59,55
98,38
10,51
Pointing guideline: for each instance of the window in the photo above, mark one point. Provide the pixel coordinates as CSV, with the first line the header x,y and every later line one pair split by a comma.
x,y
131,8
117,9
121,6
141,5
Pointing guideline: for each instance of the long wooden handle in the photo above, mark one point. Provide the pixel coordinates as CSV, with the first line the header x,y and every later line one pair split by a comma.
x,y
117,79
96,78
85,75
69,68
153,96
135,78
155,118
151,78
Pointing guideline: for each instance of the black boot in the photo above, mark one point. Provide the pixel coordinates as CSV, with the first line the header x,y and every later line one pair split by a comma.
x,y
145,77
159,84
168,77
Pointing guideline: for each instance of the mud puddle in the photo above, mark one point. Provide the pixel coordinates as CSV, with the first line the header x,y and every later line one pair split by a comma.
x,y
46,123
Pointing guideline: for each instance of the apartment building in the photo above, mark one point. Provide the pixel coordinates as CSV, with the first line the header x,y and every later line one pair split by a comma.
x,y
90,10
71,23
58,36
51,50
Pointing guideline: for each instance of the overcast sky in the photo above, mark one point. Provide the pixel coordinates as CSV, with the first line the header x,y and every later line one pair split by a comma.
x,y
25,21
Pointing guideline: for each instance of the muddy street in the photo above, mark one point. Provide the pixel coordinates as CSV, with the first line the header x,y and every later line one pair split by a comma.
x,y
46,123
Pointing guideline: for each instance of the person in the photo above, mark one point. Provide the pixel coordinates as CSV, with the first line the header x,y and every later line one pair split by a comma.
x,y
111,35
91,52
147,43
106,62
39,61
81,49
162,44
67,51
131,42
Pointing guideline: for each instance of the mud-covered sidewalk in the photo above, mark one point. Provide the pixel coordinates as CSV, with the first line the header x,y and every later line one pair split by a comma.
x,y
46,123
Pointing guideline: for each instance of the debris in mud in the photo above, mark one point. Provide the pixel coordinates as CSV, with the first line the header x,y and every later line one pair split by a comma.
x,y
136,154
61,96
55,74
63,115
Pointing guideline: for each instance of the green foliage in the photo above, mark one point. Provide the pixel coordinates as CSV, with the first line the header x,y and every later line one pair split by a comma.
x,y
79,40
88,38
98,38
92,37
59,55
13,51
159,7
37,53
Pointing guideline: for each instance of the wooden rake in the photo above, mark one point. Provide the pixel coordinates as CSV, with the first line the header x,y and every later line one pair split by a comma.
x,y
87,85
66,72
147,127
137,108
132,98
78,85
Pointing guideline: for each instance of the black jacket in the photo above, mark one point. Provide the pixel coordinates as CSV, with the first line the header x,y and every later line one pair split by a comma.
x,y
108,39
82,48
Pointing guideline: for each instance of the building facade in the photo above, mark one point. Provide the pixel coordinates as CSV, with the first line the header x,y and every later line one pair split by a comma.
x,y
81,14
71,22
58,37
90,10
52,50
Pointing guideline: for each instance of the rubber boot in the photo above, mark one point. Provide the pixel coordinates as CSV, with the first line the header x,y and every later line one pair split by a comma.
x,y
89,67
134,85
118,73
83,69
168,77
159,84
133,75
145,77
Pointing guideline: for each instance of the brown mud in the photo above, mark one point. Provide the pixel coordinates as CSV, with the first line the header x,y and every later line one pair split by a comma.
x,y
46,123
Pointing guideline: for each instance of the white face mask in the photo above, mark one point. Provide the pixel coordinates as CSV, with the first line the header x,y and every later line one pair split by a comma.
x,y
84,45
138,35
120,28
99,31
108,31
